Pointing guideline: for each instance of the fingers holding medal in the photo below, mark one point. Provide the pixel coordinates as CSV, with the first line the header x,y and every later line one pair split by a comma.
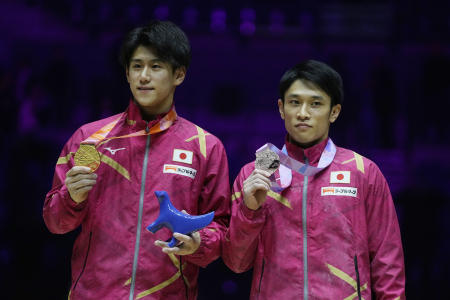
x,y
257,184
81,179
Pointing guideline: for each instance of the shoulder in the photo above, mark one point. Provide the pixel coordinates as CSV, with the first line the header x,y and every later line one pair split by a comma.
x,y
353,160
249,167
357,162
85,131
88,129
245,171
191,132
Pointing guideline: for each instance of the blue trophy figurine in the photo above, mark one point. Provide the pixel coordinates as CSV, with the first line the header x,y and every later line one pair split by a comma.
x,y
175,220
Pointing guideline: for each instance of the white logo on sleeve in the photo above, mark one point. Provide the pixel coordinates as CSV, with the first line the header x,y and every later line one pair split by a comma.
x,y
182,156
340,177
339,191
180,170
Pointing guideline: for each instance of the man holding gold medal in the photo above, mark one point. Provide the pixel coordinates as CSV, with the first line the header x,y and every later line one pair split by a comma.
x,y
107,173
313,220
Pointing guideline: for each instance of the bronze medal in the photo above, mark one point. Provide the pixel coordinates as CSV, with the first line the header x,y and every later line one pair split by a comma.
x,y
267,160
87,156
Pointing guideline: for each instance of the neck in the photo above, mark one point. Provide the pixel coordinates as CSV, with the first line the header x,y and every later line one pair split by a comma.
x,y
305,145
150,114
146,116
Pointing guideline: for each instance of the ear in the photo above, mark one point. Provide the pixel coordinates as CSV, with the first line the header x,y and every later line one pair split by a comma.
x,y
334,114
127,73
281,108
180,74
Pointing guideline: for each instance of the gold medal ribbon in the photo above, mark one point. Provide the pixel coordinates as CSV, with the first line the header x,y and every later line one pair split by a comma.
x,y
87,154
162,125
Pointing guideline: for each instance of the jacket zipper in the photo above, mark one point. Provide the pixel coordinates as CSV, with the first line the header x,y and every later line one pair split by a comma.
x,y
358,284
261,277
305,240
139,222
85,261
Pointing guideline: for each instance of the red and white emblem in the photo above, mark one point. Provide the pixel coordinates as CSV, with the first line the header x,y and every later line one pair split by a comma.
x,y
340,177
182,156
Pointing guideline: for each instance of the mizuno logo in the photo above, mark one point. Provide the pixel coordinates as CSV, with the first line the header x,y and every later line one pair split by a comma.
x,y
113,151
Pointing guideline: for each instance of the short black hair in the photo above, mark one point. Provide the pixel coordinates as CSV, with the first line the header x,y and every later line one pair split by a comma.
x,y
319,74
164,37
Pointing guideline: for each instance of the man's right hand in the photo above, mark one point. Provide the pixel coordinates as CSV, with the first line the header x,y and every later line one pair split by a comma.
x,y
255,189
79,181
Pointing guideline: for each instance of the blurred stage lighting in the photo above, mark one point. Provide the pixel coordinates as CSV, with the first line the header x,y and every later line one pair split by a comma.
x,y
218,20
247,26
162,12
277,20
190,17
306,22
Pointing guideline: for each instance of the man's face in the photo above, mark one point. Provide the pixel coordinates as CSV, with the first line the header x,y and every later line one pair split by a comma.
x,y
152,81
307,113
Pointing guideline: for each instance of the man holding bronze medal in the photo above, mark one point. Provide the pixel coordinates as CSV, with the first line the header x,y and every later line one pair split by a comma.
x,y
108,171
315,221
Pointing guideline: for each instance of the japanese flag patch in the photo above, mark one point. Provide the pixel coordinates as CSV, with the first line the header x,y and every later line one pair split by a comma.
x,y
182,156
340,177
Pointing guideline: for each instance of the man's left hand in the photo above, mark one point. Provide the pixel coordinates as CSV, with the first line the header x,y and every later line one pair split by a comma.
x,y
189,244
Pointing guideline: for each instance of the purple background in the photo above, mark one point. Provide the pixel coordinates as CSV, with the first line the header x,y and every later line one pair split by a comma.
x,y
59,70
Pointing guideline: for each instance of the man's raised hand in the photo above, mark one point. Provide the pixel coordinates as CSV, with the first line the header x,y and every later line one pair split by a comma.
x,y
255,189
79,181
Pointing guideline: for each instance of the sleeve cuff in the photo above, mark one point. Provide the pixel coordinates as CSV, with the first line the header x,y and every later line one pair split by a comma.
x,y
204,254
250,213
69,201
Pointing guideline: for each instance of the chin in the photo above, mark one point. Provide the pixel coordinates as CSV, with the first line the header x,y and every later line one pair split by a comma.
x,y
144,103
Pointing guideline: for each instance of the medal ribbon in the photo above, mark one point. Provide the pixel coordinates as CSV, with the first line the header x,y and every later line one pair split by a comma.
x,y
99,137
289,164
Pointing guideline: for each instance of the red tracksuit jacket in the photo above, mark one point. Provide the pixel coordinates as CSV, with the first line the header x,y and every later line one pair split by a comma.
x,y
334,235
113,232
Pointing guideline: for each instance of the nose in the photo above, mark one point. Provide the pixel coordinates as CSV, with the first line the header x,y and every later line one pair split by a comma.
x,y
144,76
303,112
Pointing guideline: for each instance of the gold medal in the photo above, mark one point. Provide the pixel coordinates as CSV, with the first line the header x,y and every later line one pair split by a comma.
x,y
87,156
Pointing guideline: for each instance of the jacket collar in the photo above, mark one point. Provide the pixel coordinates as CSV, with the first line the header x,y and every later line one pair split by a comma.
x,y
313,153
134,116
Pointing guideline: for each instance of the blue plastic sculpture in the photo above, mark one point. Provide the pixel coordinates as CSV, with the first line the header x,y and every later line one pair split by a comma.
x,y
175,220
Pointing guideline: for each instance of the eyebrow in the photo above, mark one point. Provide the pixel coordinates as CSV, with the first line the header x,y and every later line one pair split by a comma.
x,y
315,97
152,60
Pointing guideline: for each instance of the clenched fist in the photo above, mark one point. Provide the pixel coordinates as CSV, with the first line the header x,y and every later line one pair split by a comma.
x,y
255,189
79,181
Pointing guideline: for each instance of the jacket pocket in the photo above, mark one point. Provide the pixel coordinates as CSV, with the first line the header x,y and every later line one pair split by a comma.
x,y
358,284
85,261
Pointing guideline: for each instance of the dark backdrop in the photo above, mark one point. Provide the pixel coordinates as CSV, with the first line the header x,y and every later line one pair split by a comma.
x,y
59,70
